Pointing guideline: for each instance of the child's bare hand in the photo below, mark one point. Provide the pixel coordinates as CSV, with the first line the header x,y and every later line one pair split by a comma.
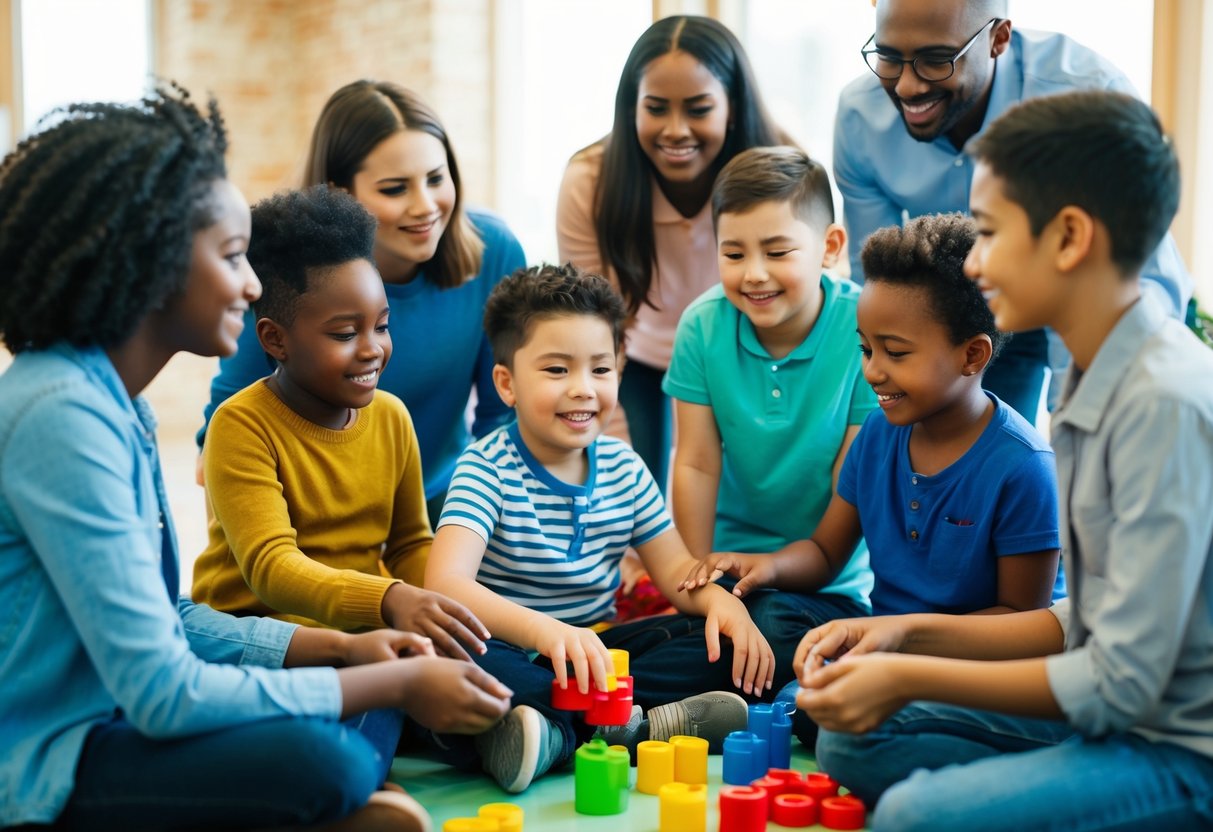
x,y
446,622
753,659
563,643
752,572
384,645
450,696
853,696
848,637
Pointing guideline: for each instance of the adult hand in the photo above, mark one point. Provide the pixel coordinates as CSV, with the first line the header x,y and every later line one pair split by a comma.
x,y
448,624
384,645
454,697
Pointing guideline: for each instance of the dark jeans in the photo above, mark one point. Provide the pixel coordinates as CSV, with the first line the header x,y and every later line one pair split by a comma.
x,y
650,417
278,772
667,658
1017,375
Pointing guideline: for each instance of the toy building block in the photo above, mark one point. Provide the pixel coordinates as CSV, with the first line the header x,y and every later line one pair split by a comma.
x,y
620,659
683,807
795,810
743,809
654,766
611,707
844,812
600,779
820,785
471,825
569,698
690,759
779,744
508,815
778,781
745,758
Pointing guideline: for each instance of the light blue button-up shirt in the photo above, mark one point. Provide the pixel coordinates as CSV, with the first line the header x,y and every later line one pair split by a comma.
x,y
884,173
89,619
1134,445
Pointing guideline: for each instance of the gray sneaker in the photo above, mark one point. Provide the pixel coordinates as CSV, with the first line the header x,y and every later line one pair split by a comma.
x,y
630,735
520,748
712,716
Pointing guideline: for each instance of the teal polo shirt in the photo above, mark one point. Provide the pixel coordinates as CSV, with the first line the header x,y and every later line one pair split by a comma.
x,y
781,421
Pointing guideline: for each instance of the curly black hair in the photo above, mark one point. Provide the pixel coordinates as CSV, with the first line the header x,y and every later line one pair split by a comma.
x,y
546,291
100,212
297,232
929,253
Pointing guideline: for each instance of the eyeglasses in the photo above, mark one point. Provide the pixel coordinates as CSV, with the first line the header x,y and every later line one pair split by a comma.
x,y
930,68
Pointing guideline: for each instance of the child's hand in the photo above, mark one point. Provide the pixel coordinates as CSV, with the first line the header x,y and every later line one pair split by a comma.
x,y
455,697
753,660
753,571
563,643
848,637
384,645
853,696
443,620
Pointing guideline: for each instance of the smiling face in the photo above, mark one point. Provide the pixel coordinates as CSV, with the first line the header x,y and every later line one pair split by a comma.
x,y
207,316
330,358
1008,262
935,30
563,385
770,267
682,117
908,356
404,182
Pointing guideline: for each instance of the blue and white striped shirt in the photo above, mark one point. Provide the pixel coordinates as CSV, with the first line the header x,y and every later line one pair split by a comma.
x,y
551,546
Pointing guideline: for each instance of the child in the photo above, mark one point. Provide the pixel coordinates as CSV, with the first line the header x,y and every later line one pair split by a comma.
x,y
161,714
437,258
954,492
538,516
313,474
769,388
1098,712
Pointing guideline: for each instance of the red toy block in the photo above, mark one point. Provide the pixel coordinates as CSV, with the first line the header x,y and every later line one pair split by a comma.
x,y
844,812
796,810
611,707
569,698
820,785
743,809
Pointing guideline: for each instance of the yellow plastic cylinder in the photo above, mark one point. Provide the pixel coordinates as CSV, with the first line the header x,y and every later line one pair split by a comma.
x,y
620,658
654,766
684,807
690,759
471,825
507,815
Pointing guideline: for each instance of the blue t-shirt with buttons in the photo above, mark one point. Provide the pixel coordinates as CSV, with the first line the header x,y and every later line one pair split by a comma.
x,y
781,420
934,541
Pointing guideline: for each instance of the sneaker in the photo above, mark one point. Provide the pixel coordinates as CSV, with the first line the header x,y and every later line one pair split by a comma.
x,y
630,735
712,716
389,810
520,748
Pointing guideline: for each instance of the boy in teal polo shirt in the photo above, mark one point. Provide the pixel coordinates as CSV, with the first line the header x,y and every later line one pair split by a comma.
x,y
769,387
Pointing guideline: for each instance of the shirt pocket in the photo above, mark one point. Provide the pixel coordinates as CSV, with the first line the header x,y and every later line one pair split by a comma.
x,y
952,550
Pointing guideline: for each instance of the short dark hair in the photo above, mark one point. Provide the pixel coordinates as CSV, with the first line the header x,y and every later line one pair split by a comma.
x,y
1104,152
547,291
99,217
775,174
297,233
928,253
359,116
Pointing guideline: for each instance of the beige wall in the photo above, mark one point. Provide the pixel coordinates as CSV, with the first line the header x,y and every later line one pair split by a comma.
x,y
273,63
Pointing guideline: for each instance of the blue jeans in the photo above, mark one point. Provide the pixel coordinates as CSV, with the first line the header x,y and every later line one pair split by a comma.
x,y
940,767
650,417
1017,375
667,657
279,772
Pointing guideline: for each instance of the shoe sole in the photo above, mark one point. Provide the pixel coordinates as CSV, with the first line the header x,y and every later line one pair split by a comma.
x,y
532,728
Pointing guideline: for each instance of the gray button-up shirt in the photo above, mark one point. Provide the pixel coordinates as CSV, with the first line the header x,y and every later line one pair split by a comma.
x,y
1134,444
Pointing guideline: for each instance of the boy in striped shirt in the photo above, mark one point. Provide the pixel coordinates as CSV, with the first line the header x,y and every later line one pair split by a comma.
x,y
539,514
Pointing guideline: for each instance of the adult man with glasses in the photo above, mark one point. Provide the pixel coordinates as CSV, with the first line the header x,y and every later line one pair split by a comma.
x,y
940,70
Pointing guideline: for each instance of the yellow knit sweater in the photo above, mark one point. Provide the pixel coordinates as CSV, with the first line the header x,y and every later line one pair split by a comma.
x,y
309,522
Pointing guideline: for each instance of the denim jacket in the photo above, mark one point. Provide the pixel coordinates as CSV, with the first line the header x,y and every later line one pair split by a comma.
x,y
90,622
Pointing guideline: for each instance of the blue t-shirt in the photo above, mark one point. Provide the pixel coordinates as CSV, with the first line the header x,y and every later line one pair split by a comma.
x,y
439,354
552,546
934,541
781,420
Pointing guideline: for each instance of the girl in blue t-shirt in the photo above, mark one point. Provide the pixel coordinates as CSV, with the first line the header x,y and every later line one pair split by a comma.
x,y
123,243
439,261
954,492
